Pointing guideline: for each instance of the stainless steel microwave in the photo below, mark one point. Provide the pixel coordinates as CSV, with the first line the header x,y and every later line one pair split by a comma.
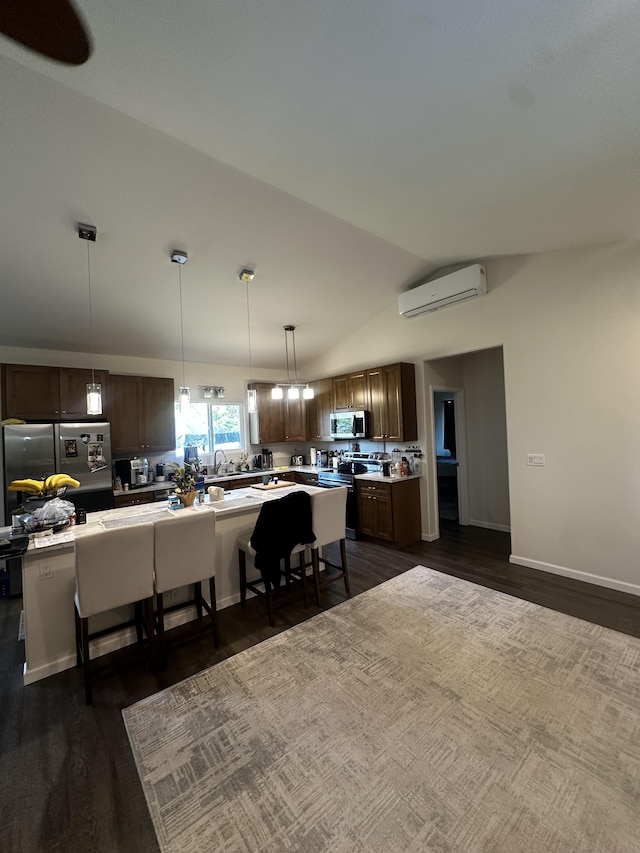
x,y
350,425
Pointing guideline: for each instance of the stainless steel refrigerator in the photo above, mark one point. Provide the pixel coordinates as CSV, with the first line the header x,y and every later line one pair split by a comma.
x,y
82,450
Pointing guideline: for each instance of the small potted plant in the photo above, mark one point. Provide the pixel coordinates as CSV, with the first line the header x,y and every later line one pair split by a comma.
x,y
185,478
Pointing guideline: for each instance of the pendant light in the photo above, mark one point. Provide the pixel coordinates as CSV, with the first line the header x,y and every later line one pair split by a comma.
x,y
252,397
94,389
184,398
293,388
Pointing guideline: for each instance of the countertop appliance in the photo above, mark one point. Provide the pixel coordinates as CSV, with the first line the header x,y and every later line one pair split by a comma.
x,y
82,450
349,425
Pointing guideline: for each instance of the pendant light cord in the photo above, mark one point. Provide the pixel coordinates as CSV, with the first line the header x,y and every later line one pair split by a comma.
x,y
295,363
93,372
286,350
249,335
181,323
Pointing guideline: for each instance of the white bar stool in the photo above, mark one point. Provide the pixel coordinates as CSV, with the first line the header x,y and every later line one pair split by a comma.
x,y
113,568
184,555
329,508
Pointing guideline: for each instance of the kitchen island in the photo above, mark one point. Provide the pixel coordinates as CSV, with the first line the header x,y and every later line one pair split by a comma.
x,y
48,578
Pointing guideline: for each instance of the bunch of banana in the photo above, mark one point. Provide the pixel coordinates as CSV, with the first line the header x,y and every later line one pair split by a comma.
x,y
57,481
33,486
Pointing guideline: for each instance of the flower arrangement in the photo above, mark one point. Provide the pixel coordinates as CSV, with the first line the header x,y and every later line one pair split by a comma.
x,y
185,477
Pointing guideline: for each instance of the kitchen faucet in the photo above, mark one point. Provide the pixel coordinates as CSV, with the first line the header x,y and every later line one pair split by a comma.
x,y
216,467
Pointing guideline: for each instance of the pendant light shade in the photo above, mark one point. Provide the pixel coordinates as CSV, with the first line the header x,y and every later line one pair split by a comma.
x,y
94,398
184,396
277,393
94,389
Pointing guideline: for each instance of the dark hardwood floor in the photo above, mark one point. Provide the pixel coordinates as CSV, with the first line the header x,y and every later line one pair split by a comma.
x,y
69,780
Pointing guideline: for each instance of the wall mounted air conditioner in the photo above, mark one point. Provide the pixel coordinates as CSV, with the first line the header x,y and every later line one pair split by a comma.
x,y
444,290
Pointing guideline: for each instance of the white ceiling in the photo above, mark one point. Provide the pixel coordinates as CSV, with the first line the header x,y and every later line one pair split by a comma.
x,y
386,140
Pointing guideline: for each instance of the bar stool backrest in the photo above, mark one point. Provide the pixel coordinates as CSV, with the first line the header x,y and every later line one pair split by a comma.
x,y
184,549
114,568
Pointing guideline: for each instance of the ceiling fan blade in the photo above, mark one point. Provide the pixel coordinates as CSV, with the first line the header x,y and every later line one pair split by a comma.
x,y
50,27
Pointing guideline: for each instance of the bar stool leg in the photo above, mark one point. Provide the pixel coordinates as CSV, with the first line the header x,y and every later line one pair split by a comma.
x,y
242,560
214,612
88,695
303,579
198,598
343,557
160,623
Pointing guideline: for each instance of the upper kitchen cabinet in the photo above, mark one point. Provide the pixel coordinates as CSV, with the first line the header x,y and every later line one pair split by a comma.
x,y
277,420
319,411
350,391
142,413
392,393
266,425
295,419
73,393
38,392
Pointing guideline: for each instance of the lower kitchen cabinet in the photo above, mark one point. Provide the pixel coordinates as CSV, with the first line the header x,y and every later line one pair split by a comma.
x,y
390,511
133,498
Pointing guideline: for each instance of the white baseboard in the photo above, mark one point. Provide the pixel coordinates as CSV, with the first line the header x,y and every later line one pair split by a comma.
x,y
430,537
503,528
585,577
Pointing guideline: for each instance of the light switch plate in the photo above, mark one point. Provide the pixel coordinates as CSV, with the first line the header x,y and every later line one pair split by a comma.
x,y
536,459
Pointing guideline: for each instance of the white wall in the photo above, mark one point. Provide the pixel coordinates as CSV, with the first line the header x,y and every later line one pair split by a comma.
x,y
568,323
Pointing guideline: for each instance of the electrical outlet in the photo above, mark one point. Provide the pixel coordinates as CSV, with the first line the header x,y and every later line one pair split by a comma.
x,y
45,571
536,459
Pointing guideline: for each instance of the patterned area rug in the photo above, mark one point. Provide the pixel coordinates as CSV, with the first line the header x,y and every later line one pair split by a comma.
x,y
428,714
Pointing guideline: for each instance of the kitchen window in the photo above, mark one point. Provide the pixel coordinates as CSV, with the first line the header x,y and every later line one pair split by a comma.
x,y
210,427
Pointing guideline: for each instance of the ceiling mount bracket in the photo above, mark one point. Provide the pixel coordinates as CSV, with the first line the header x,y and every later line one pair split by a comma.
x,y
87,232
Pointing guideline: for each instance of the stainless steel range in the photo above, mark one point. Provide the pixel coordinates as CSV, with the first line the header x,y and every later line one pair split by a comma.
x,y
352,463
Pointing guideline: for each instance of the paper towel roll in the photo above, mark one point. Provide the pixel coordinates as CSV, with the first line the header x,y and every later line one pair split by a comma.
x,y
314,455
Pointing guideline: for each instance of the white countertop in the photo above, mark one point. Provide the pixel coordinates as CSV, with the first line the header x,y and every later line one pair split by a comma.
x,y
236,502
210,480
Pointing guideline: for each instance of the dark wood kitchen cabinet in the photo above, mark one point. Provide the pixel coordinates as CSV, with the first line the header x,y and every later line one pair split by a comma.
x,y
350,391
277,420
267,424
319,411
142,413
390,511
392,396
295,420
39,392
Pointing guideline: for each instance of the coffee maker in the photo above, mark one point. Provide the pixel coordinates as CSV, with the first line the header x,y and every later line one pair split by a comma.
x,y
128,470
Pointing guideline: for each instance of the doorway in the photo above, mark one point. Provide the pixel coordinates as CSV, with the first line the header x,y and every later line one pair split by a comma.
x,y
444,411
450,451
472,457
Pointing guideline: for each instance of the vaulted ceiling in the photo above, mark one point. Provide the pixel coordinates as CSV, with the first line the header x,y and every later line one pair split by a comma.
x,y
343,150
